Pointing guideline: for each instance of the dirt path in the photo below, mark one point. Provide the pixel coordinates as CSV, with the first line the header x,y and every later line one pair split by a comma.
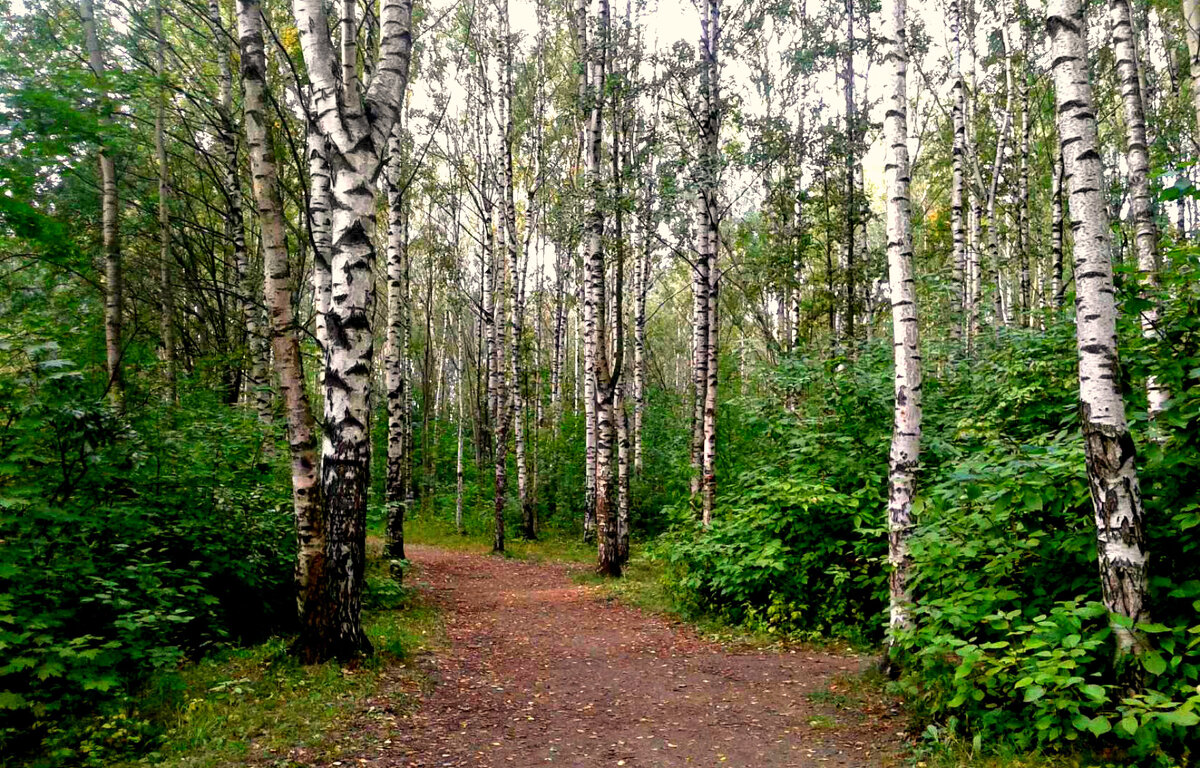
x,y
543,671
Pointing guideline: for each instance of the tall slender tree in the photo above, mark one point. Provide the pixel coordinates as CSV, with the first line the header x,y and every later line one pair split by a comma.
x,y
165,282
312,601
356,123
1111,457
906,417
1137,158
110,225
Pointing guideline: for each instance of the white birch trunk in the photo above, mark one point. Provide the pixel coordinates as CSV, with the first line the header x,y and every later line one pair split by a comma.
x,y
710,35
1191,23
906,416
516,295
958,226
258,382
1111,465
285,342
395,354
1141,202
357,126
590,141
1057,232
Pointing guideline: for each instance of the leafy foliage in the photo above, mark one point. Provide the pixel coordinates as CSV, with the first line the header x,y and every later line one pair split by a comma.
x,y
129,545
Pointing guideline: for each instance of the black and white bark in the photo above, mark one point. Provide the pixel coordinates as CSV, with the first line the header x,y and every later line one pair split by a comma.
x,y
1111,457
258,381
1057,232
312,599
1141,201
705,274
356,124
395,357
906,415
958,226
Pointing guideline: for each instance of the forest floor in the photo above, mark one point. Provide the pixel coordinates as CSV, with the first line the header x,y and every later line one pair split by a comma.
x,y
540,666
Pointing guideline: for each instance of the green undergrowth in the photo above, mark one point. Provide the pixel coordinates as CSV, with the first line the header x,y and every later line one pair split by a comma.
x,y
257,704
551,545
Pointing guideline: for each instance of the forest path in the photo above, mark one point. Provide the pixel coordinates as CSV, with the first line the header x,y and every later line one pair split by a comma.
x,y
541,670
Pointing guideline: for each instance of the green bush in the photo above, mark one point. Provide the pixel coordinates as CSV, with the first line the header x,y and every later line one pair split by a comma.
x,y
121,556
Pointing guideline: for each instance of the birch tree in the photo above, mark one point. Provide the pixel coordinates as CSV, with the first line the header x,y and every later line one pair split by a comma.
x,y
258,384
110,226
166,290
958,225
1111,460
906,416
707,275
1191,24
312,561
396,384
356,123
1141,201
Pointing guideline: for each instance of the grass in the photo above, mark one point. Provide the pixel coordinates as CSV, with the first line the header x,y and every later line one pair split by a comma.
x,y
960,755
550,546
257,704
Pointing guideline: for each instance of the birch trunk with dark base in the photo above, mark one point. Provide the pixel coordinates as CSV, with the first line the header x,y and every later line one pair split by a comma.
x,y
623,472
357,127
906,415
109,224
706,278
458,467
1111,465
313,602
1141,205
504,416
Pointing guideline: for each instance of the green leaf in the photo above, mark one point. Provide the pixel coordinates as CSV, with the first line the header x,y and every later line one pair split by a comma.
x,y
1095,692
1154,627
1183,719
1099,725
1034,692
1154,663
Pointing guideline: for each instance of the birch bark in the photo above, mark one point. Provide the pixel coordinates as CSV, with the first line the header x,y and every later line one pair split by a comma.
x,y
1191,23
311,562
1111,461
258,383
396,385
906,417
1057,232
1137,156
356,126
957,212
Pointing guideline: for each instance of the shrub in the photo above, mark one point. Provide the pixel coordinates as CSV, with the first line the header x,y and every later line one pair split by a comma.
x,y
120,557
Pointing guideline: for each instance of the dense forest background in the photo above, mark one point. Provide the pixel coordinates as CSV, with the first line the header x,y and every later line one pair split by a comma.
x,y
281,280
